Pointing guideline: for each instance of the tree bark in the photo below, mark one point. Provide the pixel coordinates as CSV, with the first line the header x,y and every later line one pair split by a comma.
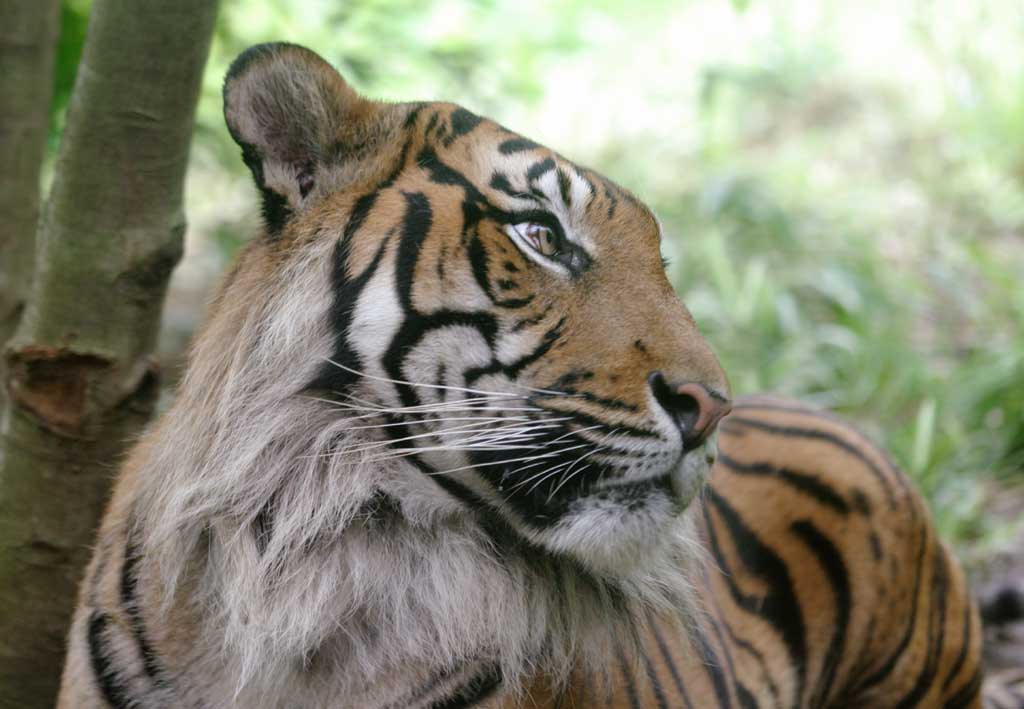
x,y
28,39
81,378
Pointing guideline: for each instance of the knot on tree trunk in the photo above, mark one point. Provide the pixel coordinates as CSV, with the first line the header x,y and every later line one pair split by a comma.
x,y
52,384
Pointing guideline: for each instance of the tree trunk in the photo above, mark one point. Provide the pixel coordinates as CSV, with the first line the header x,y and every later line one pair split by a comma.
x,y
28,38
81,378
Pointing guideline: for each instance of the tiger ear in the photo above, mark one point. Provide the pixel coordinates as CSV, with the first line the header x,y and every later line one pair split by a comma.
x,y
291,113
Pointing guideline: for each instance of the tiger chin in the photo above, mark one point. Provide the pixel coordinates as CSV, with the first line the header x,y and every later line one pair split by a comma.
x,y
442,441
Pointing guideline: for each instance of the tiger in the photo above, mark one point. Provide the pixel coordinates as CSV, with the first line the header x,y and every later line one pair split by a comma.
x,y
448,438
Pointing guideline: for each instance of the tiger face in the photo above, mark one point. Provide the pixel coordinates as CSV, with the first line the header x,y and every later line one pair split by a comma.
x,y
498,327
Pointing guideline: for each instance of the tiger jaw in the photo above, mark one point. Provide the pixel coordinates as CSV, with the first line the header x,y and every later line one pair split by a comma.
x,y
627,527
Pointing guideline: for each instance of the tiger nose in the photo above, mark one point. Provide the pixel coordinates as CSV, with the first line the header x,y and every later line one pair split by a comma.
x,y
695,409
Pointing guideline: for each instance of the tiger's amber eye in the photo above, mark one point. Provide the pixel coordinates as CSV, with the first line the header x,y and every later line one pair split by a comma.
x,y
543,239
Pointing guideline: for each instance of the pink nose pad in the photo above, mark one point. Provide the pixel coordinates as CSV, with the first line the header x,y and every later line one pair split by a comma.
x,y
710,408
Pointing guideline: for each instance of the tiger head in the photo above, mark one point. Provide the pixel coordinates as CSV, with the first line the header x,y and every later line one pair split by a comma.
x,y
487,318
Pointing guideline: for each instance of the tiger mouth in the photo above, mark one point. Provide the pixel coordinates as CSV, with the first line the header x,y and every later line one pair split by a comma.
x,y
681,482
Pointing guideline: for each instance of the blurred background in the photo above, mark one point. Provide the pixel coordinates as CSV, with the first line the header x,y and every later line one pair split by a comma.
x,y
841,186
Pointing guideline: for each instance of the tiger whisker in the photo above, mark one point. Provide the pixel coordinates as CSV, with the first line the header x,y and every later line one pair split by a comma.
x,y
576,431
492,436
475,402
453,402
489,433
447,387
544,475
496,462
492,445
420,422
568,474
377,412
539,477
469,404
548,474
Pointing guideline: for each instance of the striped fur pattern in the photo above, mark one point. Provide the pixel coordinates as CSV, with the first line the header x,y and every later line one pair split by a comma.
x,y
424,456
826,585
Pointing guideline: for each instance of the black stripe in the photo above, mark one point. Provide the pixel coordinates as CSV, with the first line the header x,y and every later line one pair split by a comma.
x,y
415,327
514,369
806,483
263,526
110,683
414,112
594,398
130,603
713,667
499,181
613,201
463,122
533,320
889,664
965,647
860,501
779,606
426,688
502,535
743,403
346,289
831,560
742,695
748,648
655,683
474,204
819,435
416,224
745,698
565,188
475,691
432,122
538,169
627,678
753,404
332,378
480,265
967,694
669,660
936,632
516,145
588,420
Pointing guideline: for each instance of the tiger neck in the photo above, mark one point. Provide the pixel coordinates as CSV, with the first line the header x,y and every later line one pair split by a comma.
x,y
343,574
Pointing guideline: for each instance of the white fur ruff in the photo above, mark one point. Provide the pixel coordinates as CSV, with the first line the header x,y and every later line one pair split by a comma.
x,y
340,603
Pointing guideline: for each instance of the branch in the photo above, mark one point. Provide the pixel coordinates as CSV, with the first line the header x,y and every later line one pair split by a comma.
x,y
28,38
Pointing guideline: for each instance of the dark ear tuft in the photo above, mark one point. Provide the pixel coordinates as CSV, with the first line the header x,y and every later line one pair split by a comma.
x,y
288,108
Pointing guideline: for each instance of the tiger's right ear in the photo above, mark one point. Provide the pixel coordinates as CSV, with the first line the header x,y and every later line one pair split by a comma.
x,y
293,115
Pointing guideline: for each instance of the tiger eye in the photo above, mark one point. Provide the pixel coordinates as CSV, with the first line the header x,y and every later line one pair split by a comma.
x,y
543,239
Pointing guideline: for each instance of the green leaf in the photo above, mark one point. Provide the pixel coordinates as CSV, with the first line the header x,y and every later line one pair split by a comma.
x,y
924,434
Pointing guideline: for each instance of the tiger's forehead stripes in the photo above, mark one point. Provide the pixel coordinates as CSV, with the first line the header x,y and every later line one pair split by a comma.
x,y
523,174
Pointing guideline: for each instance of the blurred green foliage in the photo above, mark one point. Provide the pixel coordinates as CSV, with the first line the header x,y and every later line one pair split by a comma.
x,y
841,184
